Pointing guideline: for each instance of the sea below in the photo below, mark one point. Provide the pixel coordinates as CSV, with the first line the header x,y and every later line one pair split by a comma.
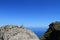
x,y
38,31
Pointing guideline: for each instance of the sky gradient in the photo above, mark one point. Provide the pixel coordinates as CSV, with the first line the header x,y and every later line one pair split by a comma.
x,y
37,13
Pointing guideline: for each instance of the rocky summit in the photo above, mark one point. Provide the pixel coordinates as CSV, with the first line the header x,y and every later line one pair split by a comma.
x,y
10,32
53,33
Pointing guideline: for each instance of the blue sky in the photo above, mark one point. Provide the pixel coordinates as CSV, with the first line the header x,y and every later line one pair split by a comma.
x,y
29,12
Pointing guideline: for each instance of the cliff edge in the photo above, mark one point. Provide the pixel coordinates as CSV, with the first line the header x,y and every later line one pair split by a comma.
x,y
53,33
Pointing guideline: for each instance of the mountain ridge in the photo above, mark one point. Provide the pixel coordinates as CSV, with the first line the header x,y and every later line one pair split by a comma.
x,y
53,32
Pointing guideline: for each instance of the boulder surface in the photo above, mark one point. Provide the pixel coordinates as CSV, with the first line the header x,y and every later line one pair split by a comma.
x,y
9,32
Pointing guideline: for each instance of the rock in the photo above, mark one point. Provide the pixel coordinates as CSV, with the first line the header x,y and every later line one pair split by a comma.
x,y
9,32
53,33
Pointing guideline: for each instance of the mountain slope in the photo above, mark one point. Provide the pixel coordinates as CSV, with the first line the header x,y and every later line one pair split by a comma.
x,y
53,33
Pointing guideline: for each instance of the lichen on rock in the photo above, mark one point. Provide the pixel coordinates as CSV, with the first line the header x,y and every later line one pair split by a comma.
x,y
9,32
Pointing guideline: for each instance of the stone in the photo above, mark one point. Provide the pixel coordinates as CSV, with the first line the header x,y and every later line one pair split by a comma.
x,y
9,32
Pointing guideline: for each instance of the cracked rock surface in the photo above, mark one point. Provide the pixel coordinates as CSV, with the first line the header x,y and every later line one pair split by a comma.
x,y
9,32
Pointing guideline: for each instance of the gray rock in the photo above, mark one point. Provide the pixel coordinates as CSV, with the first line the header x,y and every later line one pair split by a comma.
x,y
9,32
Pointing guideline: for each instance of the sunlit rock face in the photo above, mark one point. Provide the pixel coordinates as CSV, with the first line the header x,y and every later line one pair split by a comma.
x,y
9,32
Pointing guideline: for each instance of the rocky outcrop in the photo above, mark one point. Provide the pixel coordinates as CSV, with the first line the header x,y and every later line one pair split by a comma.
x,y
9,32
53,33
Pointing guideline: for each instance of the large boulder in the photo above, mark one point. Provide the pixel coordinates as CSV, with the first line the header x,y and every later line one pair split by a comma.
x,y
53,33
9,32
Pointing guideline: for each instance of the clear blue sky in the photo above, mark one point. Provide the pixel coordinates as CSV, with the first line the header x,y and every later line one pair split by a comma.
x,y
29,12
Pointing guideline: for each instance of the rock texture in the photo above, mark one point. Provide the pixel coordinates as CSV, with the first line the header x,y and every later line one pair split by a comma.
x,y
9,32
53,33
